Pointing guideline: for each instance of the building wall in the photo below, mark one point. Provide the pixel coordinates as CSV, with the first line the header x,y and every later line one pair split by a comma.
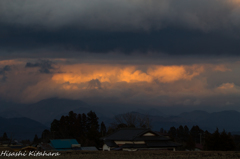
x,y
129,142
106,148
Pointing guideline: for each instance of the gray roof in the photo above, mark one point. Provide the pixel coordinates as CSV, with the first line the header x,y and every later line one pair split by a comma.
x,y
151,138
127,134
133,134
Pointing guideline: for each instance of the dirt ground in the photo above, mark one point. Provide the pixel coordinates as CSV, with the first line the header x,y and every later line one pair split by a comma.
x,y
141,155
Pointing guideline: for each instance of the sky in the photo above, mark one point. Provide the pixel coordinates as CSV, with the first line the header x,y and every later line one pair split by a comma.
x,y
166,53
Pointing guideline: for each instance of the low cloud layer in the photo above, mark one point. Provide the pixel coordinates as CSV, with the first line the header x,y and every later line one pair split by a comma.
x,y
129,74
158,85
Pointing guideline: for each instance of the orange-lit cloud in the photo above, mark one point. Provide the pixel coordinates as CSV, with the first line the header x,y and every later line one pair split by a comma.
x,y
104,73
234,1
228,89
167,74
109,73
144,84
227,86
221,68
10,62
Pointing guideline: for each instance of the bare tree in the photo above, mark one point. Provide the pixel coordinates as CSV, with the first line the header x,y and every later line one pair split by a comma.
x,y
132,120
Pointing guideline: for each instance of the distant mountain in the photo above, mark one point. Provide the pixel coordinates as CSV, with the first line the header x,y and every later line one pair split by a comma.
x,y
227,120
46,110
195,116
49,109
21,128
151,111
6,105
10,114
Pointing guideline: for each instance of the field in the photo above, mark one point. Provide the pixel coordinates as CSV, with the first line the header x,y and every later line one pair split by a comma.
x,y
142,155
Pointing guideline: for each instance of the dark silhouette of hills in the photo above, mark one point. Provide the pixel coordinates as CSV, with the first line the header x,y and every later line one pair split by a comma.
x,y
195,116
46,110
151,111
21,128
10,114
49,109
227,120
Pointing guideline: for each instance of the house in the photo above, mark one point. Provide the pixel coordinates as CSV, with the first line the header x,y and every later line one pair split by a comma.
x,y
134,139
65,144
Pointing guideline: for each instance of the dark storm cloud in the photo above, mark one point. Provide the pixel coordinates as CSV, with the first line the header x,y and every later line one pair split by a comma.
x,y
121,14
3,72
94,83
5,69
172,27
44,65
171,41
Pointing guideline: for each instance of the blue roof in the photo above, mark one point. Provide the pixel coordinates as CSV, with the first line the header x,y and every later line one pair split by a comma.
x,y
63,143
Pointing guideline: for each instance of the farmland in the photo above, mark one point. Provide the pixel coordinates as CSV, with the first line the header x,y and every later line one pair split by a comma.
x,y
144,155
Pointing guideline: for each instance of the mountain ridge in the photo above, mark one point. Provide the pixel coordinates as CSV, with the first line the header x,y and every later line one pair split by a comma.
x,y
21,128
47,110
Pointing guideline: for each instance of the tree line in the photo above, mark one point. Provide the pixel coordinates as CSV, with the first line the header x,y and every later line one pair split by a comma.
x,y
85,128
210,141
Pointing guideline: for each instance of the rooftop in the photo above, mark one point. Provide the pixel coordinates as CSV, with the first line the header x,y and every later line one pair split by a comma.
x,y
126,134
133,134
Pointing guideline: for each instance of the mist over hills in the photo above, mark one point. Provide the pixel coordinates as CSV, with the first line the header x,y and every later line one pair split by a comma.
x,y
34,118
